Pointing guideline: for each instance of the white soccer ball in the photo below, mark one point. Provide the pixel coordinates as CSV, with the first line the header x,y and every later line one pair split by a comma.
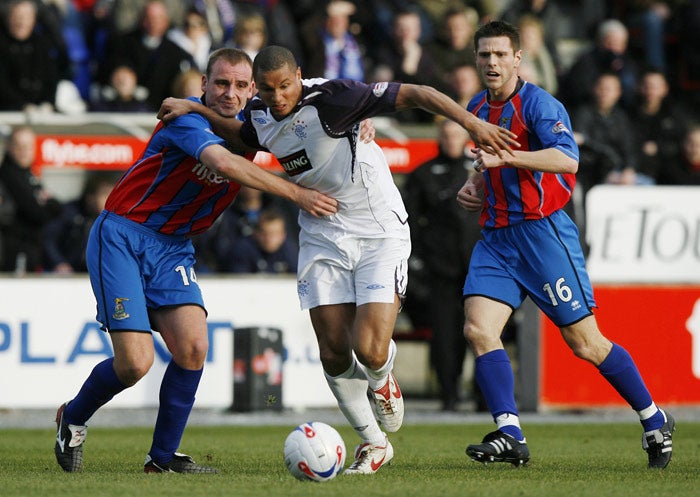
x,y
314,451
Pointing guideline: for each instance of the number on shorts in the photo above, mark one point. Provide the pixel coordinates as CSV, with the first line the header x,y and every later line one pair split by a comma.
x,y
183,274
563,292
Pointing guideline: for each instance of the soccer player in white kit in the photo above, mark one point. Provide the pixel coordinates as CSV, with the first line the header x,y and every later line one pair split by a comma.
x,y
352,272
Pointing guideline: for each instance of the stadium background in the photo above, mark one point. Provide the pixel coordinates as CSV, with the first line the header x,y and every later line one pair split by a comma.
x,y
644,261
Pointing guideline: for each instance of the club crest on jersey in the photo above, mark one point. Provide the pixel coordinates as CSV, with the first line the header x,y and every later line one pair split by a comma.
x,y
559,127
296,163
379,89
119,309
299,128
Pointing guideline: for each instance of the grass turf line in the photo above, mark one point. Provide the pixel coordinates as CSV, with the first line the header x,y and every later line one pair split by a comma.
x,y
567,460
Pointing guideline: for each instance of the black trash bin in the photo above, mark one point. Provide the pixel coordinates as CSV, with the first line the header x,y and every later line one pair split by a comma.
x,y
257,369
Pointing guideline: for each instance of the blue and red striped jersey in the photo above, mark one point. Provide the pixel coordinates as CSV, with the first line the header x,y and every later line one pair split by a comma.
x,y
514,195
168,189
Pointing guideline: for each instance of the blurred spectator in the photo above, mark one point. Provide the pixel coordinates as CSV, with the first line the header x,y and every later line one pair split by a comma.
x,y
549,15
536,53
65,237
281,25
454,43
332,50
685,171
125,15
7,217
156,59
464,84
267,250
605,135
122,94
239,221
407,61
688,64
61,20
577,19
188,84
647,21
609,54
34,206
659,124
250,34
528,72
194,38
30,63
443,235
221,18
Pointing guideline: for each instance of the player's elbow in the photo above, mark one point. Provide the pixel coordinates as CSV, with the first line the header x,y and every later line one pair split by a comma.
x,y
570,166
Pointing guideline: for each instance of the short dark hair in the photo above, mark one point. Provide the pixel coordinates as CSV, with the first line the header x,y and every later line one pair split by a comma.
x,y
495,29
273,57
231,55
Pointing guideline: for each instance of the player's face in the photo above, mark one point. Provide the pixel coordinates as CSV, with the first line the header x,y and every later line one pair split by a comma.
x,y
498,66
280,90
228,87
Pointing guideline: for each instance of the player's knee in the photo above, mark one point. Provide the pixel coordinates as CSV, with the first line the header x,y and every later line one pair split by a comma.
x,y
130,372
335,363
593,353
474,334
373,356
192,354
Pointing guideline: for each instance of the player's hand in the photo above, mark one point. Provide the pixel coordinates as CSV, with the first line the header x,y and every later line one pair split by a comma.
x,y
486,160
367,131
316,203
468,196
172,108
497,140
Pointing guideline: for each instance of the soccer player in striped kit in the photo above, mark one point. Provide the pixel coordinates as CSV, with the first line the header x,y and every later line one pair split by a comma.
x,y
530,247
141,264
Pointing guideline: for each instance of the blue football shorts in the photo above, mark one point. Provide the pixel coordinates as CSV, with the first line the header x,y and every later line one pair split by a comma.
x,y
134,269
541,259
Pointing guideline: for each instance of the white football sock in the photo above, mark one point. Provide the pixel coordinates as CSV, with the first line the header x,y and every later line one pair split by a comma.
x,y
350,390
377,378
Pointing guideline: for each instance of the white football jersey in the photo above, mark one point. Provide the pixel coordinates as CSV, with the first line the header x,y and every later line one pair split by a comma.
x,y
318,145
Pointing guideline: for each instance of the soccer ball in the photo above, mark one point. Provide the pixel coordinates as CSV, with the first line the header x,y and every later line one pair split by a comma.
x,y
314,451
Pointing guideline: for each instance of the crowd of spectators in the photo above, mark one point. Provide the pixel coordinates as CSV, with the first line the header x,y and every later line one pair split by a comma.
x,y
627,71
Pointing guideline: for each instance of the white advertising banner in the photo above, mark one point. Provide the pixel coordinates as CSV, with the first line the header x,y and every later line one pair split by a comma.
x,y
643,234
50,341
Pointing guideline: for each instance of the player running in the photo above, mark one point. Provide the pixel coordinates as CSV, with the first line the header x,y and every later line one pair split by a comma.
x,y
530,247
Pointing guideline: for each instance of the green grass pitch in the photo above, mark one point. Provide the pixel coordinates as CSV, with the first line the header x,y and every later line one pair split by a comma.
x,y
567,460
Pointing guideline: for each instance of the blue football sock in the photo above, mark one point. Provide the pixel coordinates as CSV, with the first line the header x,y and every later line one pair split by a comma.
x,y
494,375
98,389
177,392
621,372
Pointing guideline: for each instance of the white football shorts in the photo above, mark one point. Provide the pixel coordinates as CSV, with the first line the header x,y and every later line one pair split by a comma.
x,y
359,270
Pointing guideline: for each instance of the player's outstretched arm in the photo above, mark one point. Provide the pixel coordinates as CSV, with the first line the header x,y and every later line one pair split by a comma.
x,y
241,170
488,136
227,128
548,160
